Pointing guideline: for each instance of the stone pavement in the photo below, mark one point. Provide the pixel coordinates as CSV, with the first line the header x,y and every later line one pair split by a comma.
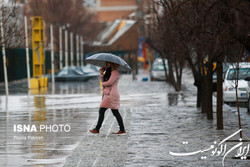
x,y
159,120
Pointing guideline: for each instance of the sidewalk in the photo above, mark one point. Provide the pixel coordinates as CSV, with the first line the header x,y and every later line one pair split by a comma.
x,y
158,120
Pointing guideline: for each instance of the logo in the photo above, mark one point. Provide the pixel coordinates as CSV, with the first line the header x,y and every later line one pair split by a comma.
x,y
41,128
220,149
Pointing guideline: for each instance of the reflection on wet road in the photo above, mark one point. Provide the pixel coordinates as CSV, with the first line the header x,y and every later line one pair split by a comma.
x,y
35,129
20,87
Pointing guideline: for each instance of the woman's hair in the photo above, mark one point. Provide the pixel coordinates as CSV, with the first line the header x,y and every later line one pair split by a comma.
x,y
114,66
107,74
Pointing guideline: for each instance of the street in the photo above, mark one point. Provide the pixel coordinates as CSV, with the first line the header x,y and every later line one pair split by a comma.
x,y
54,128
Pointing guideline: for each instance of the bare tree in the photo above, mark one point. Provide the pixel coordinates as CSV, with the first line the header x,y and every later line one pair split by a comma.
x,y
199,30
168,41
209,25
69,14
13,32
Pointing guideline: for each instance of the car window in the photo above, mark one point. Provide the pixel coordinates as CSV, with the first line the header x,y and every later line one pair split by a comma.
x,y
243,73
159,67
225,68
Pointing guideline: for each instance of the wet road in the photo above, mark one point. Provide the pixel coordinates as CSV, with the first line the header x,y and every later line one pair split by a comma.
x,y
157,120
60,121
72,104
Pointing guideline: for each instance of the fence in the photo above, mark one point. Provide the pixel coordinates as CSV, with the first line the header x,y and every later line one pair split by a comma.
x,y
16,63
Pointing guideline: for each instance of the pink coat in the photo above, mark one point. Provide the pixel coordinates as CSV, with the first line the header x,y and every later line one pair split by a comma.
x,y
111,96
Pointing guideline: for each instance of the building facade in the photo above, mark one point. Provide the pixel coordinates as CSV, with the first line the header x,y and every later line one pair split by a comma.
x,y
109,10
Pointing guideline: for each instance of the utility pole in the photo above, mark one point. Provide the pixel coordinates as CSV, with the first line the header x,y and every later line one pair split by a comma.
x,y
52,58
82,51
66,48
71,50
60,48
77,50
27,51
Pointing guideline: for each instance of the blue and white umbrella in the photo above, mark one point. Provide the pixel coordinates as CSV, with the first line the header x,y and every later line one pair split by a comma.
x,y
100,59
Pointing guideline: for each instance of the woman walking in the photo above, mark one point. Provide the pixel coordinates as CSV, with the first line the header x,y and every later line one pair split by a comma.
x,y
111,97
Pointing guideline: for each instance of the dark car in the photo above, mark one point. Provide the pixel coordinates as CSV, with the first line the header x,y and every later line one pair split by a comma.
x,y
68,74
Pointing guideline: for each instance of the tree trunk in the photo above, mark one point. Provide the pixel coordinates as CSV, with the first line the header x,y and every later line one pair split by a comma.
x,y
170,72
198,102
219,112
197,81
165,69
204,94
237,98
175,68
210,90
179,77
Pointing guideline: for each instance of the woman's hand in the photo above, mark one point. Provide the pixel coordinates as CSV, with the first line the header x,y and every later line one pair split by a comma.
x,y
102,70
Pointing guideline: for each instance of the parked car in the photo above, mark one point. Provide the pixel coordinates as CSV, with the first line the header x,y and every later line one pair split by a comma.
x,y
72,74
248,101
157,72
229,92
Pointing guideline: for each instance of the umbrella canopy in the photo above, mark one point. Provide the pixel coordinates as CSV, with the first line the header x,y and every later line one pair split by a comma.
x,y
100,59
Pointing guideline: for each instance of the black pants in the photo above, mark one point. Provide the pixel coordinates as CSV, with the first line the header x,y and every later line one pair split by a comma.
x,y
115,113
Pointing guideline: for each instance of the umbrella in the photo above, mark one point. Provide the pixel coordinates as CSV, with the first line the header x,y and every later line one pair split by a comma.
x,y
100,59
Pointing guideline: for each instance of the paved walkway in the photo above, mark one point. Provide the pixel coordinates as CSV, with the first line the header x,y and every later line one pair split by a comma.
x,y
159,121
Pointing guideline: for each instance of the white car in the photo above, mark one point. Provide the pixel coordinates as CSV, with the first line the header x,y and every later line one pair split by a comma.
x,y
157,72
229,92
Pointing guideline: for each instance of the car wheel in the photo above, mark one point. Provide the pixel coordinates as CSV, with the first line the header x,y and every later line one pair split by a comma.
x,y
248,105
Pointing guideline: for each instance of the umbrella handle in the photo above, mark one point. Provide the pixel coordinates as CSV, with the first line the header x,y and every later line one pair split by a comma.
x,y
104,68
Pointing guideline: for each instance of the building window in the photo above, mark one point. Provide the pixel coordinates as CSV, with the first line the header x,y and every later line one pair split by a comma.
x,y
89,3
